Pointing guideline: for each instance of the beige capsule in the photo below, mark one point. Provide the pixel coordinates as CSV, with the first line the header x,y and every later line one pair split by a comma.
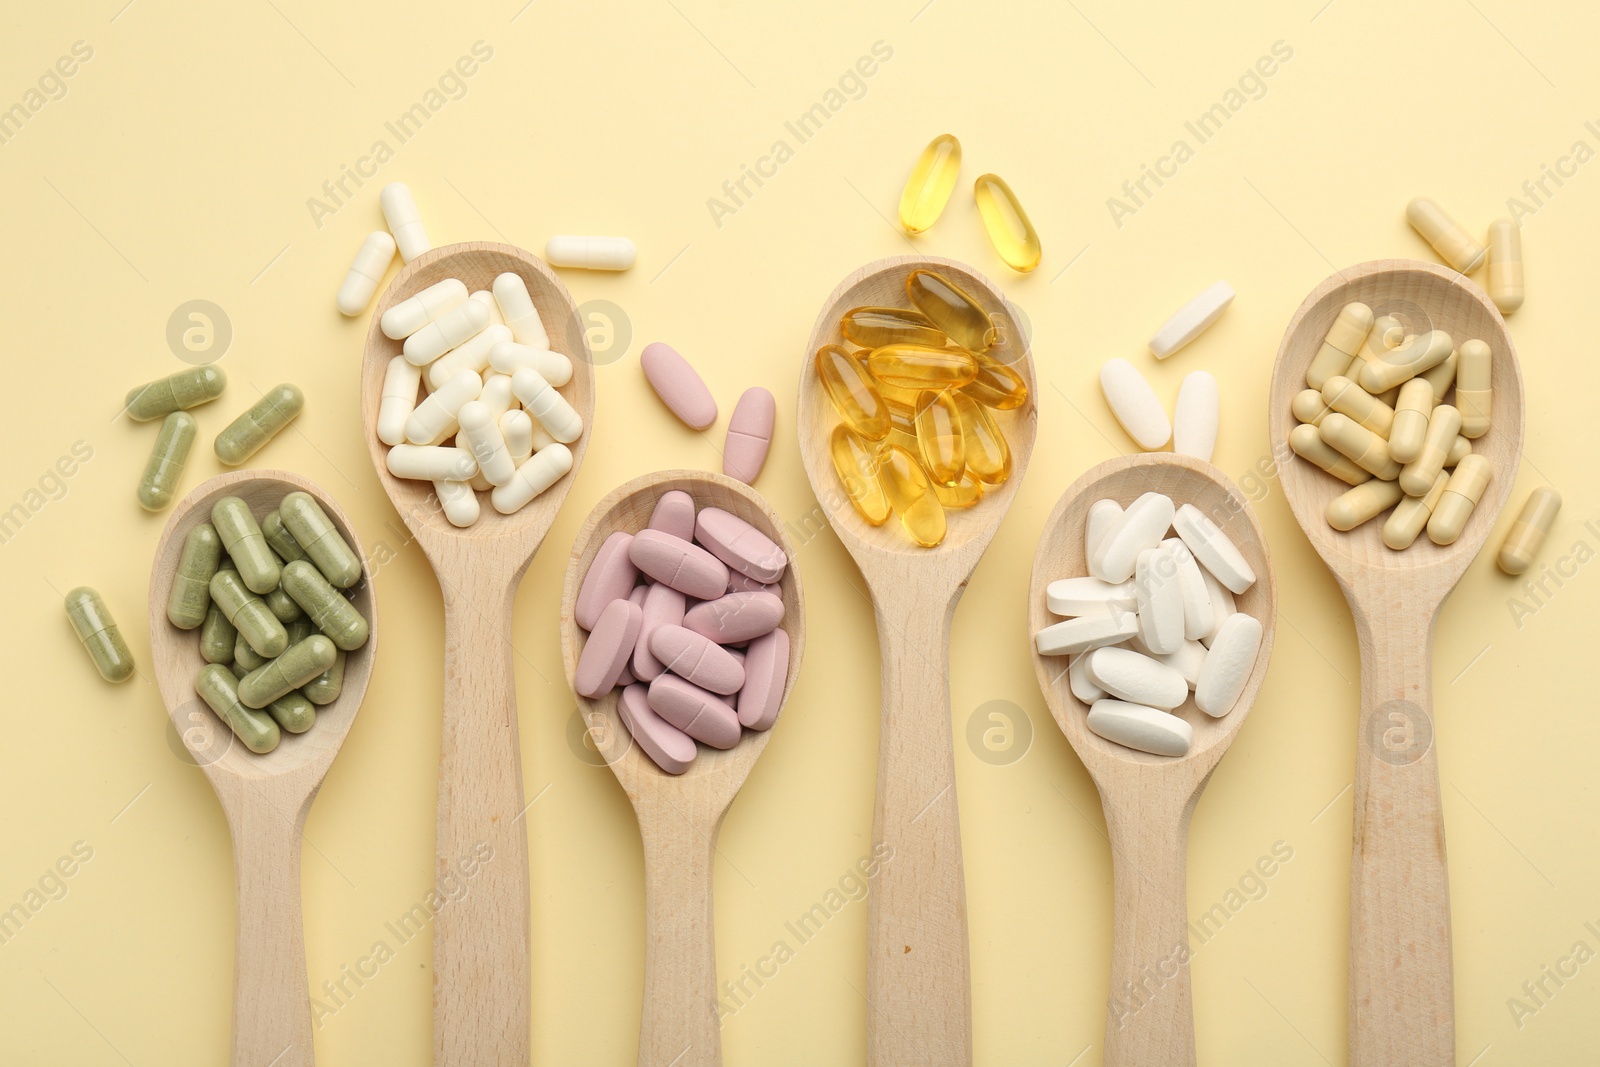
x,y
1355,506
1527,534
1344,340
1348,398
1461,495
1460,449
1308,444
1410,426
1387,332
1447,236
1444,426
1400,365
1505,265
1359,444
1309,407
1411,514
1442,377
1473,394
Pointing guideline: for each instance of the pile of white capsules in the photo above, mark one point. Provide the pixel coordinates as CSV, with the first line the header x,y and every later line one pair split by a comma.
x,y
1153,621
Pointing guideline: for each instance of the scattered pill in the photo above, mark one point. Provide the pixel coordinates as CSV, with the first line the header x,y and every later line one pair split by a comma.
x,y
371,262
1444,424
1228,664
1213,549
1136,726
1141,526
260,423
1461,494
952,309
97,630
678,385
1454,245
1411,514
415,312
545,468
1505,284
1527,533
190,598
164,469
744,452
217,687
1197,416
1191,320
319,539
1135,404
405,222
590,253
179,392
932,179
1007,224
1473,394
1340,347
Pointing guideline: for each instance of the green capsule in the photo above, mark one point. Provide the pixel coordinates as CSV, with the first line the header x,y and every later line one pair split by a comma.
x,y
98,631
299,629
182,391
298,665
283,605
279,537
244,436
238,670
247,657
330,612
313,531
220,690
242,538
248,613
326,687
190,599
217,635
164,469
294,713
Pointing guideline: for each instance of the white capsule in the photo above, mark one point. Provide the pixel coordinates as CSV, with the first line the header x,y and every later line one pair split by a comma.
x,y
1103,514
481,433
516,426
458,501
1213,549
1078,680
1196,417
405,222
486,298
1160,598
547,406
1191,320
1138,727
1198,619
367,270
1087,596
471,354
1138,679
508,357
535,476
1086,632
592,253
431,463
400,383
435,418
511,293
415,312
1142,526
1135,404
1187,661
467,319
1228,664
496,394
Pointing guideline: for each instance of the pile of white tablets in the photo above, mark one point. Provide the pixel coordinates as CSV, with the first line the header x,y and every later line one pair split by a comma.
x,y
1153,621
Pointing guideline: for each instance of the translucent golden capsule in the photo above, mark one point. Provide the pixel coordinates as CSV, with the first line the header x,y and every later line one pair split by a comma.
x,y
1010,231
922,367
932,179
939,442
964,494
912,498
902,424
873,327
853,393
856,462
988,456
997,385
951,309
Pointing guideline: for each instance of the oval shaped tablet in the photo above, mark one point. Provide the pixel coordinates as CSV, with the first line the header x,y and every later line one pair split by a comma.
x,y
1160,601
697,659
667,746
743,583
744,452
701,715
1103,514
1227,666
674,514
766,670
662,606
735,617
1086,632
674,561
1196,417
611,576
678,385
1135,404
1213,549
1136,726
1088,596
1142,526
1136,678
605,655
1191,320
1078,680
740,545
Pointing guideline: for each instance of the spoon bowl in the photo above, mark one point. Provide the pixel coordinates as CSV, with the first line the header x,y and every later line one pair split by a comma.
x,y
266,797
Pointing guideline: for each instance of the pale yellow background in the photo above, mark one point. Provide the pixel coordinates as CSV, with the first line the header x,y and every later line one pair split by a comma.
x,y
178,166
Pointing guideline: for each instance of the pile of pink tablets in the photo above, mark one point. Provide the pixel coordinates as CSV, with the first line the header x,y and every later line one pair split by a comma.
x,y
685,615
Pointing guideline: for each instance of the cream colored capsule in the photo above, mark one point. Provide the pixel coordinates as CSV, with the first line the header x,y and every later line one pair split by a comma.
x,y
1442,377
435,418
1410,425
1460,449
1387,332
516,305
544,469
400,212
1411,514
1527,534
1309,407
415,312
400,383
1454,244
1355,506
1400,365
466,320
516,426
1348,398
1345,337
1308,444
372,259
471,354
1359,444
458,502
1461,495
1505,265
1472,388
1444,425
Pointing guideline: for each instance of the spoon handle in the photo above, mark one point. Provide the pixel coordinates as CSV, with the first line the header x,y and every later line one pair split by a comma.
x,y
482,979
679,1026
1402,1007
919,999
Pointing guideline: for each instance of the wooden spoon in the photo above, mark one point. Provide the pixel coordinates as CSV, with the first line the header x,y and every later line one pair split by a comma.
x,y
482,976
1401,991
679,815
1148,799
919,999
265,797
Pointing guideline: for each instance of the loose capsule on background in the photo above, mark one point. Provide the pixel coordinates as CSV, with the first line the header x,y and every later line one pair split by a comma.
x,y
97,630
1360,445
435,418
1473,394
1197,416
996,385
952,309
516,305
548,407
415,312
1453,243
261,422
939,439
248,613
744,451
217,687
543,469
405,222
590,253
471,354
1006,223
1355,506
856,463
928,188
1135,404
297,665
1400,365
1461,495
367,270
466,320
317,536
327,608
508,357
1344,339
1410,423
179,392
921,367
679,385
164,469
217,635
874,327
1444,425
1307,443
1411,514
911,497
190,598
1505,283
1309,407
1527,533
1349,399
1191,320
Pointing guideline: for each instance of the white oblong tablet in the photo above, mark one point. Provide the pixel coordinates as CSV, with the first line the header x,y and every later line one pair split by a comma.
x,y
1087,596
1086,632
1222,605
1187,661
1191,320
1078,680
1142,526
1135,404
1198,618
1135,726
1228,664
1103,514
1160,600
1138,679
1213,549
1196,416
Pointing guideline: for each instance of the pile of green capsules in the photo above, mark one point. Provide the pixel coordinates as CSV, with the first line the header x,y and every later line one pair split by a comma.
x,y
274,623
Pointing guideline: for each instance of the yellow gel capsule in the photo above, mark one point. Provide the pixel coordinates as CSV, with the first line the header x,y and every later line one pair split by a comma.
x,y
988,456
853,394
932,179
997,385
1344,339
911,497
951,309
856,461
1505,265
1355,506
1308,444
1309,407
1010,231
939,442
1410,426
1409,516
874,327
964,494
921,367
902,424
1461,495
1444,426
1348,398
1453,243
1360,445
1526,535
1473,394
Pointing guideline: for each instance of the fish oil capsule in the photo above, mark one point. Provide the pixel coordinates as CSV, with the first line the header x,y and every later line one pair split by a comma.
x,y
298,665
932,179
97,630
921,367
912,498
1411,514
435,418
1410,424
1412,358
590,253
190,599
516,305
544,469
326,687
1473,394
1309,407
1007,224
1360,445
939,443
1461,495
856,463
328,610
508,357
1527,534
987,454
1417,477
261,422
279,537
179,392
316,535
1505,265
1349,399
248,613
853,392
405,222
372,260
471,354
1454,244
1307,443
246,547
454,327
217,687
164,469
482,436
874,327
950,308
1442,377
964,494
415,312
1344,339
996,385
903,425
217,635
548,407
400,382
1355,506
